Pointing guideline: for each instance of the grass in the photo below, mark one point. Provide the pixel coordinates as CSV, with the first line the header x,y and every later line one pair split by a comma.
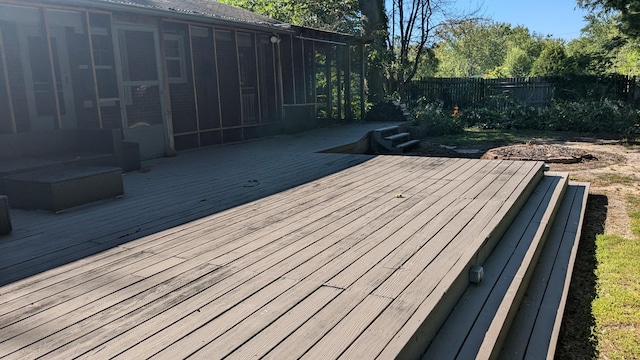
x,y
613,179
484,139
616,308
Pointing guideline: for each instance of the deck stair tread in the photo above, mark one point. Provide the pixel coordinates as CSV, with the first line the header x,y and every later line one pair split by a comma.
x,y
386,129
483,317
397,136
537,323
392,139
408,144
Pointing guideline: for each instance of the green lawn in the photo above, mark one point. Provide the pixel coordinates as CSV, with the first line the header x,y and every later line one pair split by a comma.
x,y
616,308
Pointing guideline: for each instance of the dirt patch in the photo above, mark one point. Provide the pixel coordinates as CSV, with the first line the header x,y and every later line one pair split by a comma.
x,y
555,154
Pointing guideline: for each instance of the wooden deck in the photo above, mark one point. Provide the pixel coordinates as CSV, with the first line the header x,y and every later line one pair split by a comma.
x,y
262,249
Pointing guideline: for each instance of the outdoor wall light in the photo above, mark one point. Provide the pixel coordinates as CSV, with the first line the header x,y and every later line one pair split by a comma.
x,y
476,273
274,39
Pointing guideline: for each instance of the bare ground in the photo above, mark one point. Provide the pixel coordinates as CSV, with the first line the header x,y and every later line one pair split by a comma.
x,y
612,169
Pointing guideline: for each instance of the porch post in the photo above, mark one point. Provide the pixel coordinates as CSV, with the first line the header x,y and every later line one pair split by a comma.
x,y
166,95
348,112
339,82
193,83
93,70
327,74
3,56
362,72
54,83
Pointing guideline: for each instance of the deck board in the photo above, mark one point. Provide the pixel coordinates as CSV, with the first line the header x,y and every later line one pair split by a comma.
x,y
536,325
473,313
326,255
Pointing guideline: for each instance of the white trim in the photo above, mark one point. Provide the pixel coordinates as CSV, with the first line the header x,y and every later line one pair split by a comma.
x,y
123,85
180,58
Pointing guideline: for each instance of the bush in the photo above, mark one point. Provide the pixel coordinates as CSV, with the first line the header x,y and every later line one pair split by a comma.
x,y
503,112
606,116
431,117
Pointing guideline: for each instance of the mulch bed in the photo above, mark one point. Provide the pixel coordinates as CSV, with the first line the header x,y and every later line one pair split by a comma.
x,y
558,156
554,154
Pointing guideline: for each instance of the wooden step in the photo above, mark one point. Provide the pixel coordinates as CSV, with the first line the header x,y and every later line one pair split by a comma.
x,y
63,188
383,132
478,324
398,136
537,323
408,144
384,139
428,319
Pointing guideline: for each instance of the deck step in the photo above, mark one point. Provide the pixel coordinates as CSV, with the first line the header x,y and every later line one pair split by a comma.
x,y
434,314
408,144
386,131
537,322
390,139
398,136
478,325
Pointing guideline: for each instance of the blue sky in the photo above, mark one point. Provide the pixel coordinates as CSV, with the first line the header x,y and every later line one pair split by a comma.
x,y
560,18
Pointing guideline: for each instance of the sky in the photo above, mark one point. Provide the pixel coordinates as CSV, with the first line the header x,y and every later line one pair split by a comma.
x,y
560,18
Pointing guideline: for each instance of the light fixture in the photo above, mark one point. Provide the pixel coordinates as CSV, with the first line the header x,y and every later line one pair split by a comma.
x,y
274,39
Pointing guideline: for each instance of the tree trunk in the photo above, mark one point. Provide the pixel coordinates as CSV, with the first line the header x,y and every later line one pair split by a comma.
x,y
374,31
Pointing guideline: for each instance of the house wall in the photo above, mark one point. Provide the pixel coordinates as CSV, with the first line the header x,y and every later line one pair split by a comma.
x,y
216,84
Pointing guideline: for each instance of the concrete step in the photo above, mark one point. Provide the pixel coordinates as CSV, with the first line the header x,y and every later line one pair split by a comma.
x,y
479,322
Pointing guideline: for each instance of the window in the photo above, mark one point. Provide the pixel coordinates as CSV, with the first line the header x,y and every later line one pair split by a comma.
x,y
102,48
174,57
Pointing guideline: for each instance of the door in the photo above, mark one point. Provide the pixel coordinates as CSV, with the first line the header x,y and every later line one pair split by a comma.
x,y
141,102
38,79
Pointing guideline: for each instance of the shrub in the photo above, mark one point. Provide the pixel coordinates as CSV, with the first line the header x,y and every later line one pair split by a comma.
x,y
503,112
431,117
606,116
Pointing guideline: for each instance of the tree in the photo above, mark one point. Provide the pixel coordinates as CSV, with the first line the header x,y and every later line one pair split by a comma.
x,y
481,47
472,47
412,25
517,63
552,60
374,31
596,50
334,15
629,13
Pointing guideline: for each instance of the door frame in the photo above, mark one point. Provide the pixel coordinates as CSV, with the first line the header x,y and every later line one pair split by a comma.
x,y
68,118
128,132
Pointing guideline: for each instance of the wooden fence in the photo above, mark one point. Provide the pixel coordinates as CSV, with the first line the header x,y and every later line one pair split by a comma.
x,y
538,91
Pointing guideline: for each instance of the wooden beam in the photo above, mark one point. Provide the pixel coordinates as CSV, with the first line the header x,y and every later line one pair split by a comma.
x,y
93,71
193,83
52,68
362,72
348,111
7,85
